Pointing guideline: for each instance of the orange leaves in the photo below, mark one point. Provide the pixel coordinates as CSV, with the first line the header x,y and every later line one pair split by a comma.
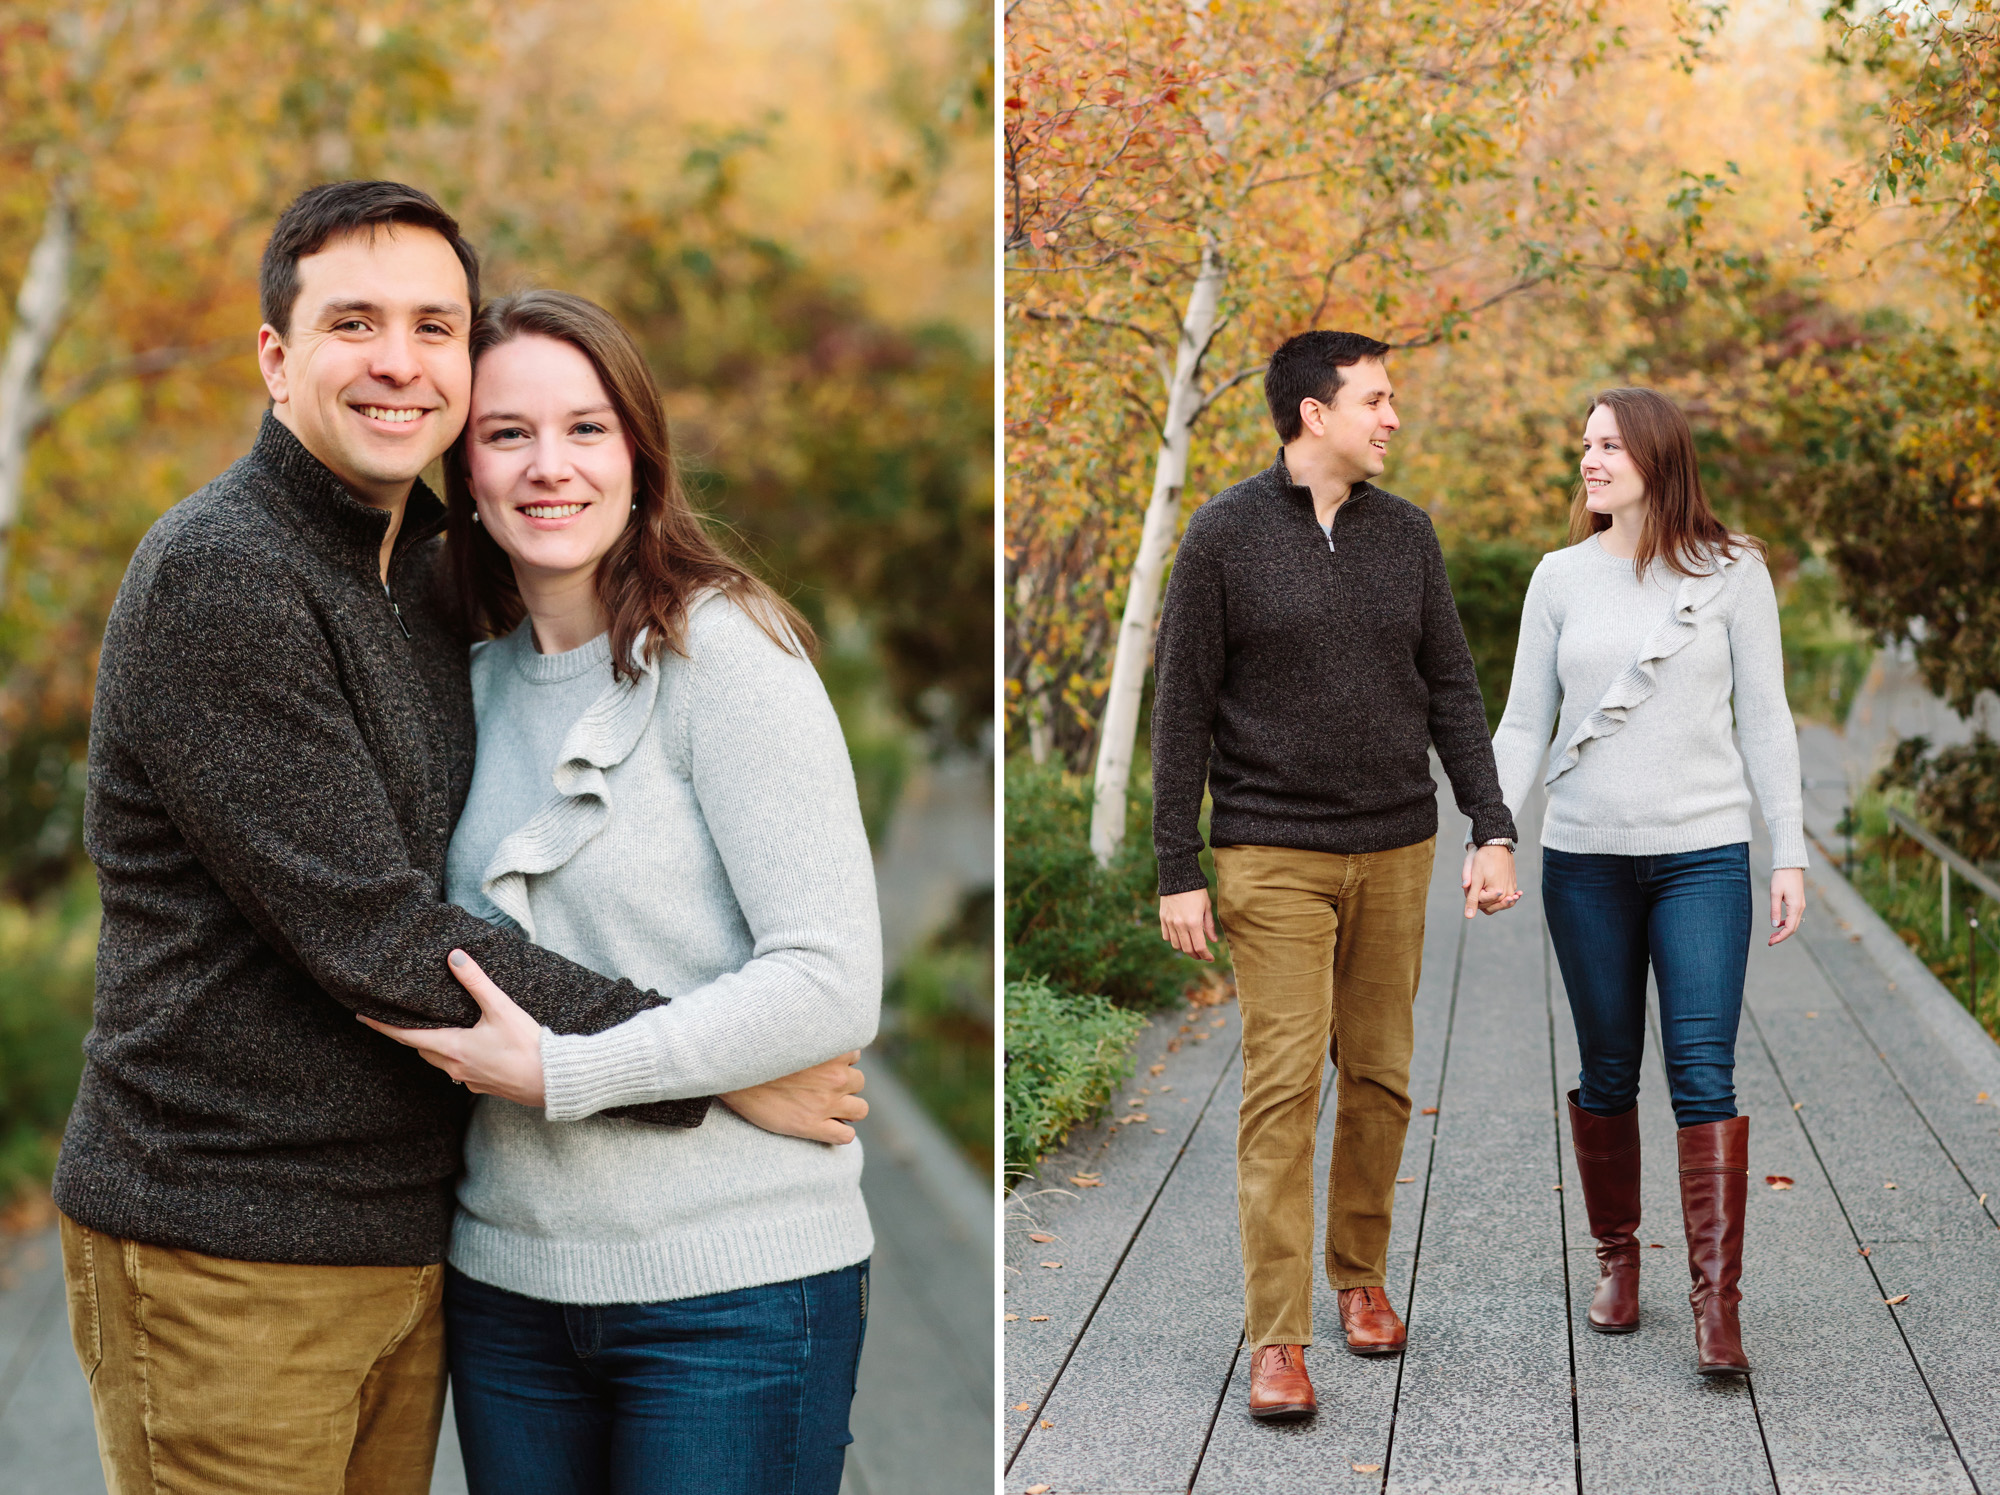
x,y
1777,1181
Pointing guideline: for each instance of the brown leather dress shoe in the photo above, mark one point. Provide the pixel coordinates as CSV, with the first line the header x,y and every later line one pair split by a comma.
x,y
1280,1390
1371,1324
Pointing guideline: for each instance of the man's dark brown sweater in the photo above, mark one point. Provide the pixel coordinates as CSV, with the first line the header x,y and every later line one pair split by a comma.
x,y
1305,685
278,754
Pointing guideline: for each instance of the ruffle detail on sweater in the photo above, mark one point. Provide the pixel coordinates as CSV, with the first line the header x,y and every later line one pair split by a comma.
x,y
602,738
1637,681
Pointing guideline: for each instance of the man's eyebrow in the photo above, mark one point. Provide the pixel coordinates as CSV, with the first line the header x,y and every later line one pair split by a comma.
x,y
428,309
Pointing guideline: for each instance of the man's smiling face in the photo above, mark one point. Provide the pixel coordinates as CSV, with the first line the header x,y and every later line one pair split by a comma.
x,y
374,375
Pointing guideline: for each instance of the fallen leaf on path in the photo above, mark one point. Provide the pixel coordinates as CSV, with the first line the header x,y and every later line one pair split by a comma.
x,y
1218,1022
1899,1298
1979,1099
1159,1131
1982,1198
1865,1251
1557,1187
1366,1468
1410,1180
1038,1318
1012,1317
1052,1265
1020,1406
1655,1246
1156,1069
1430,1110
1137,1116
1038,1489
1777,1180
1039,1238
1812,1014
1046,1423
1187,1027
1889,1183
1135,1101
1798,1105
1087,1180
1201,1038
1173,1046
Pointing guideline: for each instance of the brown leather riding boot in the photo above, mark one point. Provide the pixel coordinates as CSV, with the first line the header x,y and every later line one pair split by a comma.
x,y
1607,1160
1280,1390
1715,1183
1371,1324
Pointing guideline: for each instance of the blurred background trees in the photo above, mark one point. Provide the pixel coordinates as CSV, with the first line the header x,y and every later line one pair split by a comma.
x,y
790,202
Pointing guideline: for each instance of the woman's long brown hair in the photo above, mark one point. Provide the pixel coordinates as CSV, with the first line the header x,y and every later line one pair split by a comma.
x,y
663,559
1680,528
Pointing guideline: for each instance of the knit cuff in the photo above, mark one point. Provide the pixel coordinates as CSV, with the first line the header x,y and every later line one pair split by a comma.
x,y
584,1073
1788,843
1182,874
1492,823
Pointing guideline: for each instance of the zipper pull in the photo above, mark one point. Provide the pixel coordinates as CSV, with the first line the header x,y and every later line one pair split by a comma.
x,y
397,611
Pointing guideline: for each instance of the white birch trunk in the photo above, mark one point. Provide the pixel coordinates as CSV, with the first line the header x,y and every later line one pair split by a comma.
x,y
38,314
1120,725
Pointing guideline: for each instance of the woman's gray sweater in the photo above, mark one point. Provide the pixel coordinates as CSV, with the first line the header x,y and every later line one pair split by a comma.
x,y
1641,682
699,833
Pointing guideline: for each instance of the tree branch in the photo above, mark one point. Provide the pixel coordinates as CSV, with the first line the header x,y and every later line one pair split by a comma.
x,y
147,365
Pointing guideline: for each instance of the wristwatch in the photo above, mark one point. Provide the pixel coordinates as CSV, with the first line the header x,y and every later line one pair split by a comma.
x,y
1506,841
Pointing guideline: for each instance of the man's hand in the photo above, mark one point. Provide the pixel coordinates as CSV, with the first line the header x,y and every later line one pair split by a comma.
x,y
816,1104
500,1055
1488,880
1788,903
1188,923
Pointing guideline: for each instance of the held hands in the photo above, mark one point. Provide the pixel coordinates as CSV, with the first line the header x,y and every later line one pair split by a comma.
x,y
1488,880
816,1104
1788,903
499,1055
1188,923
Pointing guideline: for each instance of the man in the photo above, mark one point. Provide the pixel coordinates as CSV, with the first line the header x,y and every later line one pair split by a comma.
x,y
256,1189
1309,656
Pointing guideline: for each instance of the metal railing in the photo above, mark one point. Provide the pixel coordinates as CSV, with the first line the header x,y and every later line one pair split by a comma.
x,y
1950,861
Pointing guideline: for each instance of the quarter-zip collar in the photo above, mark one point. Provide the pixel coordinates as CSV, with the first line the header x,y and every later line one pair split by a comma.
x,y
1278,477
321,507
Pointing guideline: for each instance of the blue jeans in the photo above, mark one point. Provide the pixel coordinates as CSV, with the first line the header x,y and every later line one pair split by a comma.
x,y
1689,916
738,1393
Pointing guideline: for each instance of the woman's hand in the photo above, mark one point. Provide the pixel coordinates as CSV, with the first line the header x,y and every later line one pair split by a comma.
x,y
1788,903
499,1055
816,1104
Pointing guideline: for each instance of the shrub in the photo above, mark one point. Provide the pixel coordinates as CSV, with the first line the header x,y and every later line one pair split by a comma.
x,y
46,978
937,1026
1957,790
1084,927
1065,1055
1489,579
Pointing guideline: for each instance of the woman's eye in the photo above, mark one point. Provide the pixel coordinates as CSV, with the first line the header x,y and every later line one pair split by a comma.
x,y
506,433
589,428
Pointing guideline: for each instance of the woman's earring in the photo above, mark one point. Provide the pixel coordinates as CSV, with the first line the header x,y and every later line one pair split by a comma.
x,y
475,516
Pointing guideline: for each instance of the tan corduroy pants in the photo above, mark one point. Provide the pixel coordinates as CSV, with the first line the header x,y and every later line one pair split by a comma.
x,y
1328,950
218,1376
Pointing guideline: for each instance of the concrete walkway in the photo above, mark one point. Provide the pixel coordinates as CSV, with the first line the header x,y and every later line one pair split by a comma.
x,y
922,1418
1124,1365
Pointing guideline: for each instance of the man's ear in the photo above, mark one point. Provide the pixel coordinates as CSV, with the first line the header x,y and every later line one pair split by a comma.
x,y
271,363
1308,409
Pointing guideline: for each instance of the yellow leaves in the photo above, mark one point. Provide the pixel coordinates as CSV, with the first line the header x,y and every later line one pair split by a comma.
x,y
1899,1299
1087,1180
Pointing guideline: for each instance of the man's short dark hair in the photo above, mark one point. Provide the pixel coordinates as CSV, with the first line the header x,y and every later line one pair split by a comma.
x,y
1307,367
339,208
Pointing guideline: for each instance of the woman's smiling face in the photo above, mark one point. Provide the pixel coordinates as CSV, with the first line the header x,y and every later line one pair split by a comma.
x,y
549,464
1611,480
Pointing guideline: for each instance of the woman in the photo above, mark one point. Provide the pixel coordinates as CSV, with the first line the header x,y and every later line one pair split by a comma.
x,y
1643,635
633,1307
